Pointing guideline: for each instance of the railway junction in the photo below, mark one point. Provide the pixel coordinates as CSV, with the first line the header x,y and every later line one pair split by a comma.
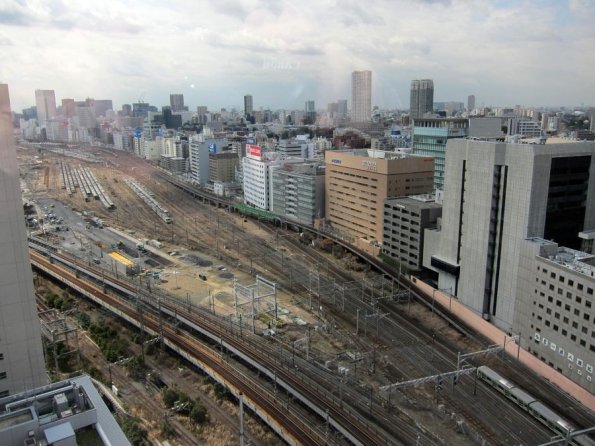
x,y
349,332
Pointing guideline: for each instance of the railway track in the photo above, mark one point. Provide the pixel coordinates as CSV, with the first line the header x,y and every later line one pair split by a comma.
x,y
177,339
360,430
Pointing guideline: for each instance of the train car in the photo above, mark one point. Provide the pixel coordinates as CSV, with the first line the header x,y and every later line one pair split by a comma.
x,y
533,406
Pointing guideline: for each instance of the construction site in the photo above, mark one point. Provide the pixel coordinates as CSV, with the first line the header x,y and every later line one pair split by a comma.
x,y
356,331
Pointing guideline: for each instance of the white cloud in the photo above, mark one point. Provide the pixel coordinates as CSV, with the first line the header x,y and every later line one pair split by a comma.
x,y
284,52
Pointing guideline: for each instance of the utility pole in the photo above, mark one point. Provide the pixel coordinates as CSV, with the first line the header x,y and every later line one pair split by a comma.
x,y
241,398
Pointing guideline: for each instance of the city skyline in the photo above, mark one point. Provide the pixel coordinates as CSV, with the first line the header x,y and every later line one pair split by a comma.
x,y
249,45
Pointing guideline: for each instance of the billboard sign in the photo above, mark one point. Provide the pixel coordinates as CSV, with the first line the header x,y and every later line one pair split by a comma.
x,y
254,152
213,148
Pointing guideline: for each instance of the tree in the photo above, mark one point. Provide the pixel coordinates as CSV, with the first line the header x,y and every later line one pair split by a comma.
x,y
170,397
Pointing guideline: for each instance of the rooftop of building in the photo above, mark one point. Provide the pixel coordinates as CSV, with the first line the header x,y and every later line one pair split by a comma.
x,y
560,140
439,122
307,167
376,153
421,201
49,413
577,261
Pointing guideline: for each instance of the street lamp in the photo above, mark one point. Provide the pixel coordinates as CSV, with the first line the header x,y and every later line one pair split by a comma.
x,y
175,274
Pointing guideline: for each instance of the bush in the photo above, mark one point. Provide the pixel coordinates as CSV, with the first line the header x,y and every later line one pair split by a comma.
x,y
84,319
136,434
338,252
198,414
222,392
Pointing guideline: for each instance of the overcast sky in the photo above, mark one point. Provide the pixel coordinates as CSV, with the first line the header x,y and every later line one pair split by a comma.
x,y
286,52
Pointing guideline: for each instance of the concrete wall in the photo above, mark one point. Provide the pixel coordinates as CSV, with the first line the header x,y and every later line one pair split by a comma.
x,y
493,333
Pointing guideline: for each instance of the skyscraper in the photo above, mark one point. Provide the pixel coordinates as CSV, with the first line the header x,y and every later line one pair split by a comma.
x,y
361,96
176,101
248,107
45,100
422,97
21,354
309,112
471,102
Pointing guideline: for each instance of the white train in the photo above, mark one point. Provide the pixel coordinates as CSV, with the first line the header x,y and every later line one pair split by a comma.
x,y
535,407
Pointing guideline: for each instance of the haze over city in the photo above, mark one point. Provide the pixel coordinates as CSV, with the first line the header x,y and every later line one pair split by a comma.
x,y
537,53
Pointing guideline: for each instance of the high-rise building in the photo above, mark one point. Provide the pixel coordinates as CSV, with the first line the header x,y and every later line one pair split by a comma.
x,y
361,96
358,181
45,101
422,98
498,195
470,102
101,106
68,108
176,101
21,355
248,105
298,192
341,108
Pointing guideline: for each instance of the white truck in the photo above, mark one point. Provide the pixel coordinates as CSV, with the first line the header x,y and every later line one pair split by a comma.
x,y
155,243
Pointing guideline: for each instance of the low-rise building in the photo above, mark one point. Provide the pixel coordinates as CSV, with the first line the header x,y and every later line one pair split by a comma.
x,y
405,220
555,314
53,414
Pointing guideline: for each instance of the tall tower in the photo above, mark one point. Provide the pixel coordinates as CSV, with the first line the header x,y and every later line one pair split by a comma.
x,y
176,101
361,96
21,354
310,112
248,107
422,97
45,100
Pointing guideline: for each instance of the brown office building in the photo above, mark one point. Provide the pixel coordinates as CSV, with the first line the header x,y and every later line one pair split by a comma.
x,y
222,166
358,181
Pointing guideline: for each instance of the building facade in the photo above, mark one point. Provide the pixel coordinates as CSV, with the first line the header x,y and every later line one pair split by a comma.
x,y
298,192
361,96
498,195
421,98
556,314
358,182
404,222
257,181
21,355
430,136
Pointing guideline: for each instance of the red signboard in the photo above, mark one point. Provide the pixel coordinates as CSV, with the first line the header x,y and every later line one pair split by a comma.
x,y
254,152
